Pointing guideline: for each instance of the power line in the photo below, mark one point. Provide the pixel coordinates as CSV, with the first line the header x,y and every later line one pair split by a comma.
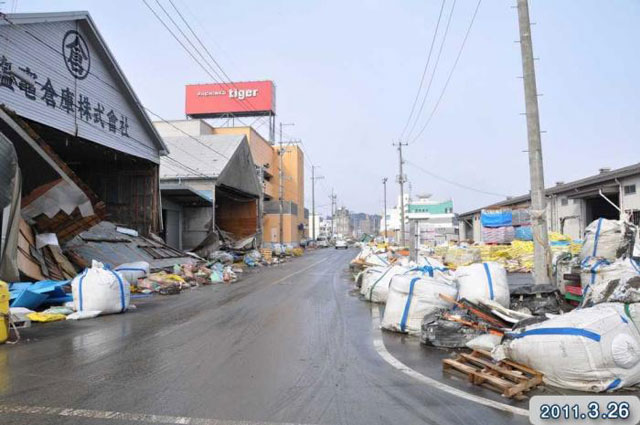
x,y
177,39
187,38
212,39
464,186
46,65
455,63
424,72
226,84
199,41
433,72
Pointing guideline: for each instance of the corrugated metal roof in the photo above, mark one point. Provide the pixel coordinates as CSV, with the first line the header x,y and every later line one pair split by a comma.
x,y
200,156
566,187
105,244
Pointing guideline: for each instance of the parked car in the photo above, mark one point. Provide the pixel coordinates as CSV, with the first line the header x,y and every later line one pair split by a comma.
x,y
322,242
341,243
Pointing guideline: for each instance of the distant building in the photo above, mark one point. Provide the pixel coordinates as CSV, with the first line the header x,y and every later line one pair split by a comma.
x,y
435,220
362,224
342,225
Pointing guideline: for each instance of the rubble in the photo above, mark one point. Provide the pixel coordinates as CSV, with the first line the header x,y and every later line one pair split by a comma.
x,y
578,333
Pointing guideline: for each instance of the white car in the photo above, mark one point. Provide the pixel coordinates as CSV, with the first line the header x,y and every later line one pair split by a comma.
x,y
322,242
341,243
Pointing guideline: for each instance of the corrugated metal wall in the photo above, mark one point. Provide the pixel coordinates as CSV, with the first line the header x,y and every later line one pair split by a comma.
x,y
21,52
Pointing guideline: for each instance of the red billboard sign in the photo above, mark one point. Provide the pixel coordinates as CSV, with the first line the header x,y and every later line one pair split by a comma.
x,y
249,98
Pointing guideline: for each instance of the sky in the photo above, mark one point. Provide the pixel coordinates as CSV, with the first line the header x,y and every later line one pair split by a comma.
x,y
347,74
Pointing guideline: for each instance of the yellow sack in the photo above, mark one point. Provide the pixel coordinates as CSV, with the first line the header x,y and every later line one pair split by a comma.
x,y
555,237
46,317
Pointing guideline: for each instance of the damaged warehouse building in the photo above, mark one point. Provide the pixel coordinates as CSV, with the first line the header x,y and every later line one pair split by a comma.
x,y
83,155
214,199
611,194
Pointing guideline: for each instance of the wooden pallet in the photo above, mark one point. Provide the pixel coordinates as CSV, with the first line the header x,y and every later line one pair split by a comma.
x,y
509,378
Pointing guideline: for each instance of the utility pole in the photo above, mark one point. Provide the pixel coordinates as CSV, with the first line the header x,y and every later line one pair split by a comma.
x,y
313,201
541,259
333,218
401,181
281,184
384,183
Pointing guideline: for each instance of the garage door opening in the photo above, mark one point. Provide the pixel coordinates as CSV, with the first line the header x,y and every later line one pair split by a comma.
x,y
598,207
236,214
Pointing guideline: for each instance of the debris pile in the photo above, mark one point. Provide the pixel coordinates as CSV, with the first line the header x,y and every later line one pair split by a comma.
x,y
581,333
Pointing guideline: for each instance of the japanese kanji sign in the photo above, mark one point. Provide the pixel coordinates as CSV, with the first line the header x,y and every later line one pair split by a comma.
x,y
60,75
76,54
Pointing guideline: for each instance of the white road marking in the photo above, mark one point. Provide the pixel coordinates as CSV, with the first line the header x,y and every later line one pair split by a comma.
x,y
378,343
298,272
122,416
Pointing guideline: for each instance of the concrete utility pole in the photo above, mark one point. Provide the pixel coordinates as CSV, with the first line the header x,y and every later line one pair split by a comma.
x,y
401,181
541,261
333,218
313,201
281,184
384,183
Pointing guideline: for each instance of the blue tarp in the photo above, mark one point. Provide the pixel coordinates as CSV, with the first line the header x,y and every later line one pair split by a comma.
x,y
497,218
524,233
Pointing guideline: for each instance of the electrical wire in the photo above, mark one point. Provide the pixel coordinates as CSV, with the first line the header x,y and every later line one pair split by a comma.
x,y
48,66
446,84
433,72
305,154
187,38
177,39
424,72
248,106
463,186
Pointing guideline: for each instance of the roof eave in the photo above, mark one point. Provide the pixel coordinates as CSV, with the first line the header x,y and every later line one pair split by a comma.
x,y
39,17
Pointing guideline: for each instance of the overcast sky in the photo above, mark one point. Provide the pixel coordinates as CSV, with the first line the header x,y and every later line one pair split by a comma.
x,y
347,73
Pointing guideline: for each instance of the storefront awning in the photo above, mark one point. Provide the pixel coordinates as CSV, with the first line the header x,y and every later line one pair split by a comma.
x,y
185,195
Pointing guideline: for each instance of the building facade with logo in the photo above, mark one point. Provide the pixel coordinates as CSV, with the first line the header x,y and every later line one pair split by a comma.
x,y
64,94
432,220
232,101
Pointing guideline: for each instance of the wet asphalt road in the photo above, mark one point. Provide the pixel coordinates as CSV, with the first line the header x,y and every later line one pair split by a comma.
x,y
290,344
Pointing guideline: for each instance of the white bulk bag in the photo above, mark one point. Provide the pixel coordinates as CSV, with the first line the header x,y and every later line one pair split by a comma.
x,y
592,349
605,239
364,252
369,272
375,285
604,282
133,271
429,261
411,298
483,281
99,289
376,260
